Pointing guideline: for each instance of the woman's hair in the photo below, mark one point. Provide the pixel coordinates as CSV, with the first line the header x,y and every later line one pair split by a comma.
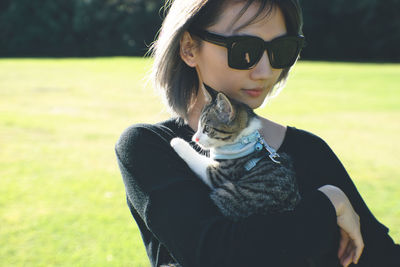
x,y
177,81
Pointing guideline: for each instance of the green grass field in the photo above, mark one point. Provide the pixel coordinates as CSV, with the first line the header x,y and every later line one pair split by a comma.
x,y
62,199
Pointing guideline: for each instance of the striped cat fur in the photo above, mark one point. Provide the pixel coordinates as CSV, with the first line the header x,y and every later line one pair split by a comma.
x,y
268,187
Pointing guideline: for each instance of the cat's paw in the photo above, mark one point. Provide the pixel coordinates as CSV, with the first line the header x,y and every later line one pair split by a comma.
x,y
182,147
177,142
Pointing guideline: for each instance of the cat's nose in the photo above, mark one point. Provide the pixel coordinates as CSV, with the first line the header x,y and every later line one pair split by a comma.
x,y
196,139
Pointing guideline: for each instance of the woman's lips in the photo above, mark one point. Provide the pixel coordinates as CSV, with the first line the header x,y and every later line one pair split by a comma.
x,y
253,92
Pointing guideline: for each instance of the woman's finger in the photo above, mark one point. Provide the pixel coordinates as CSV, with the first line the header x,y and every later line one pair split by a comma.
x,y
344,240
350,248
359,249
348,253
358,243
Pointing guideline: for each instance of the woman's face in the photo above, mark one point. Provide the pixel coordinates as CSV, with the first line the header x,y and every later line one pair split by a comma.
x,y
211,61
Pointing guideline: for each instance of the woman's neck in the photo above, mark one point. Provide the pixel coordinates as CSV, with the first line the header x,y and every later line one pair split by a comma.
x,y
273,133
195,111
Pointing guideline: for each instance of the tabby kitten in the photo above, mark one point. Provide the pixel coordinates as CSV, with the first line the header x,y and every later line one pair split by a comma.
x,y
244,177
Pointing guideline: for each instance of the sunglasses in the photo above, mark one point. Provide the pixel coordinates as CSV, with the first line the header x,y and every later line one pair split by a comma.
x,y
244,52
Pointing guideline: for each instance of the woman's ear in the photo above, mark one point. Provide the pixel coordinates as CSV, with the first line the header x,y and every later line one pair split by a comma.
x,y
188,48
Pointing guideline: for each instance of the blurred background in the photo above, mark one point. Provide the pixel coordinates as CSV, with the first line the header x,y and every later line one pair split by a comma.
x,y
335,30
73,77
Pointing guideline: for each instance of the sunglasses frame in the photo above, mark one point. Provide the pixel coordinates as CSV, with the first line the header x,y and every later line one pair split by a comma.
x,y
229,41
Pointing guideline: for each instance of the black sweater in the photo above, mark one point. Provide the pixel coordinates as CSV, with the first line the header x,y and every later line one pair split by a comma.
x,y
179,222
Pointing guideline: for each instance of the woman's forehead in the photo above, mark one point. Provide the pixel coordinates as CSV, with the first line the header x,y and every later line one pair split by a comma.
x,y
236,17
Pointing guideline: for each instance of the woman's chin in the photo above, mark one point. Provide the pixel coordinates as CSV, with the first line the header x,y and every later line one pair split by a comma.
x,y
255,103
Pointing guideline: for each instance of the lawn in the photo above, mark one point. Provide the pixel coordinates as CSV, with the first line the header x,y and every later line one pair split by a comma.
x,y
62,198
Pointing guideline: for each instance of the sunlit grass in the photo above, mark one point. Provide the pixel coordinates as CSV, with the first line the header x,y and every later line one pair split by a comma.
x,y
62,199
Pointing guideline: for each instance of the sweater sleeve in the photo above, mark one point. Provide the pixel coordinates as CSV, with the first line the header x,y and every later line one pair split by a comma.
x,y
380,250
175,206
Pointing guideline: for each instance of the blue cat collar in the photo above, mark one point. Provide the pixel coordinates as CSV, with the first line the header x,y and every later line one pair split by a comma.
x,y
243,147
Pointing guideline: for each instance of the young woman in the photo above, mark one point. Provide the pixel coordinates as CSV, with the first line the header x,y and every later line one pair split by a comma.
x,y
179,224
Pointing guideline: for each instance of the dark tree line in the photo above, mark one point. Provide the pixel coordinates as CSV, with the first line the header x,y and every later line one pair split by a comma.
x,y
338,29
352,30
77,27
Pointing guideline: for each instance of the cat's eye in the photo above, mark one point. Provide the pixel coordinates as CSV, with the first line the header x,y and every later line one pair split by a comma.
x,y
206,129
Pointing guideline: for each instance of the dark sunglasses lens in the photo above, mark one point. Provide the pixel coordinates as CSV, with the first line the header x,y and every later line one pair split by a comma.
x,y
245,53
283,53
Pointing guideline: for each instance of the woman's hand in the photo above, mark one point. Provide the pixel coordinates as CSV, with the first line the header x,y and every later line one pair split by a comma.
x,y
351,242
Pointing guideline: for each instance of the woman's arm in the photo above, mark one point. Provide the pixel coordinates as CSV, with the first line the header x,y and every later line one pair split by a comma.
x,y
351,242
380,250
176,207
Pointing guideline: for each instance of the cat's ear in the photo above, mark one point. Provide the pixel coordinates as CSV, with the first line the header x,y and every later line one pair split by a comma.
x,y
207,95
225,108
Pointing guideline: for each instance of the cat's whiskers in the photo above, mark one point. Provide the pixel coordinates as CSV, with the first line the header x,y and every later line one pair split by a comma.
x,y
199,148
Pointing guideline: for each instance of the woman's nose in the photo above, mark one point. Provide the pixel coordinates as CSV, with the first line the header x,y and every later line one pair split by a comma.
x,y
262,70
